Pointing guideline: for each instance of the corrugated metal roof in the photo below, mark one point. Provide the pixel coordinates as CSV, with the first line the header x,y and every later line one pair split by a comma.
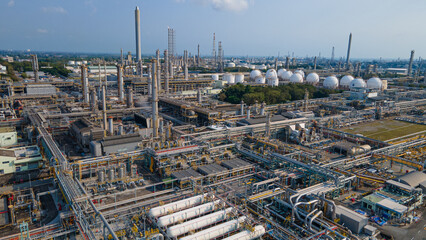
x,y
235,164
393,206
186,174
211,169
413,178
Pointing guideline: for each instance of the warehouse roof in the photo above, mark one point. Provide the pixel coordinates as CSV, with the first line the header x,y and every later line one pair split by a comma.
x,y
186,174
413,178
393,206
211,169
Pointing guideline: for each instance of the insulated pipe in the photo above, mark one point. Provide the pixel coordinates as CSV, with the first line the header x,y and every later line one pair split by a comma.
x,y
308,215
331,202
294,209
313,218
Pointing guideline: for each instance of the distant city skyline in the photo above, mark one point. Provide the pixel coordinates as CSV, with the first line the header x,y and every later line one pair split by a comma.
x,y
381,28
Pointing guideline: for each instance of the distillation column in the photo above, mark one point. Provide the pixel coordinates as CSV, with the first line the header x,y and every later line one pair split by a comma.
x,y
120,83
154,99
85,83
166,71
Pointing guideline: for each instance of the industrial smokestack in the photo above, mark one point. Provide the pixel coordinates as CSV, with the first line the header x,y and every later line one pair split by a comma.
x,y
185,64
158,70
349,51
198,56
93,100
85,83
104,118
138,34
129,97
410,64
111,125
120,83
154,99
287,63
166,71
35,67
315,63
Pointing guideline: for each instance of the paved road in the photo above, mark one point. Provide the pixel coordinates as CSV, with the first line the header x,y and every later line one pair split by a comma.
x,y
416,231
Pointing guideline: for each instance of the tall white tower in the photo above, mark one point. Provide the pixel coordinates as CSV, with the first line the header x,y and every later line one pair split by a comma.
x,y
138,34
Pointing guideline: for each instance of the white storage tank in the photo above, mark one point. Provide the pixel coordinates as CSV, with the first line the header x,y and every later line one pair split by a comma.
x,y
357,83
296,78
231,65
216,231
71,63
229,78
260,80
176,206
300,72
273,82
271,73
331,82
374,83
257,232
384,84
215,77
280,73
346,81
254,74
286,75
239,78
312,78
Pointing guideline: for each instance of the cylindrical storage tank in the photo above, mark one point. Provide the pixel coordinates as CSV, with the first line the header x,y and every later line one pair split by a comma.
x,y
111,174
270,74
331,82
186,214
302,73
180,229
258,231
216,231
273,82
346,81
254,74
101,175
215,77
230,65
312,78
357,83
280,73
71,63
296,78
286,75
384,84
122,172
260,80
229,78
175,206
84,62
374,83
239,78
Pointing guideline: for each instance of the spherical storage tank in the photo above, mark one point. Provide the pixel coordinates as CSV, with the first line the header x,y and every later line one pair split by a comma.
x,y
254,74
296,78
215,77
286,75
271,73
357,83
231,65
239,78
229,78
273,81
312,78
331,82
300,72
260,80
374,83
346,81
280,72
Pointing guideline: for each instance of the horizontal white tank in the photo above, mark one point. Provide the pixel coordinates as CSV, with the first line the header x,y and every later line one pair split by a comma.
x,y
260,80
259,230
186,214
239,78
229,78
197,223
216,231
176,206
231,65
215,77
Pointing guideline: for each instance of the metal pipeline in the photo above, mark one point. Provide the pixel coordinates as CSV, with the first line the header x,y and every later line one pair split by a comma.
x,y
313,218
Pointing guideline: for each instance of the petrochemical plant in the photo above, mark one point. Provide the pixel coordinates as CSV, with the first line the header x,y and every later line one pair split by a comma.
x,y
210,147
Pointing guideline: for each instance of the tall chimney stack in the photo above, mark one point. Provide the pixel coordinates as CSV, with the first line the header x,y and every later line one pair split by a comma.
x,y
138,34
154,99
166,71
120,83
104,118
349,51
85,83
410,64
158,70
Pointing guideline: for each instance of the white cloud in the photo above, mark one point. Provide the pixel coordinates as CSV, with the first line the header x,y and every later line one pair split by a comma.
x,y
60,10
11,3
230,5
223,5
42,30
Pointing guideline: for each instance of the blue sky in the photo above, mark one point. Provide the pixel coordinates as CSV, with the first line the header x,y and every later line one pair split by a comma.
x,y
381,28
